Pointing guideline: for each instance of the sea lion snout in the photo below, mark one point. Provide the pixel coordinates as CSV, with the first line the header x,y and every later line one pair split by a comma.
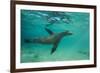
x,y
70,33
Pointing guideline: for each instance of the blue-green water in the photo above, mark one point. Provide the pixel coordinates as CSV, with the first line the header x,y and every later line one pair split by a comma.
x,y
73,47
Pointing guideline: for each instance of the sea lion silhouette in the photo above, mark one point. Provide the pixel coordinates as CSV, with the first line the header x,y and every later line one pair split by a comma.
x,y
52,39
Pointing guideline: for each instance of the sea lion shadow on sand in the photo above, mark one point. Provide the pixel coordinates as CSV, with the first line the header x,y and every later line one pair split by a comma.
x,y
53,39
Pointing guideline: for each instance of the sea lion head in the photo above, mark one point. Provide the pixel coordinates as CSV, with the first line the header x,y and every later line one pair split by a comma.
x,y
67,33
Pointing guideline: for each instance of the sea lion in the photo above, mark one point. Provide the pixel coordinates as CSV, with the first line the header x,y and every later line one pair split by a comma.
x,y
52,39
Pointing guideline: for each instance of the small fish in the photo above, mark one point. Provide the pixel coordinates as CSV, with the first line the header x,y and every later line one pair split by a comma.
x,y
65,20
55,19
83,52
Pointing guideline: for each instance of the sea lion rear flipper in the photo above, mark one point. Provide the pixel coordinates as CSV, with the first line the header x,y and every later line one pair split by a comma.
x,y
49,31
54,48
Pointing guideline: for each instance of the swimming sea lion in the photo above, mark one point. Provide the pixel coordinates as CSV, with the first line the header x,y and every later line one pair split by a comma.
x,y
52,39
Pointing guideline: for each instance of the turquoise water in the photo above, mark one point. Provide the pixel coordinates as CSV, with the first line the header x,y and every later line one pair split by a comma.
x,y
72,47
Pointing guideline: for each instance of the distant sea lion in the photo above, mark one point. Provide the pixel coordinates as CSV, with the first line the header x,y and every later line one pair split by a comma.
x,y
52,39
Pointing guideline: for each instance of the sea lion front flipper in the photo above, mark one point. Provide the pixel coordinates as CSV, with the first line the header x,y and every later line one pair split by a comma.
x,y
49,31
54,48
